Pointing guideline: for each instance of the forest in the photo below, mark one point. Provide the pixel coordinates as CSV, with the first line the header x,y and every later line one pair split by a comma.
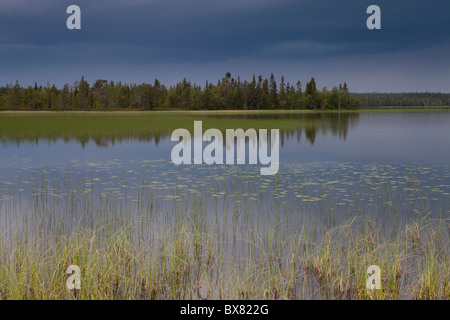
x,y
418,99
227,94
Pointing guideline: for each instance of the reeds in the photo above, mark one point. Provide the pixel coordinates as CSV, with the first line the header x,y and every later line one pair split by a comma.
x,y
224,234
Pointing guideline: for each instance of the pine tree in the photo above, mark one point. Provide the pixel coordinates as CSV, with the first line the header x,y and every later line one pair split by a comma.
x,y
282,93
273,91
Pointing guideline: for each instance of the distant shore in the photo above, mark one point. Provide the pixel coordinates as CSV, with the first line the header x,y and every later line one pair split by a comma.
x,y
176,111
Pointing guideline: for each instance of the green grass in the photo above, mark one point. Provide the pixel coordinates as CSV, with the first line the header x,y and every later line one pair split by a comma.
x,y
182,242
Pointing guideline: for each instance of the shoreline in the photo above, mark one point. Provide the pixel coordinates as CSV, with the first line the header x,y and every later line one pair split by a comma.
x,y
219,112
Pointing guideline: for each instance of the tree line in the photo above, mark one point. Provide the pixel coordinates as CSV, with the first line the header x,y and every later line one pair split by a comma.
x,y
227,94
417,99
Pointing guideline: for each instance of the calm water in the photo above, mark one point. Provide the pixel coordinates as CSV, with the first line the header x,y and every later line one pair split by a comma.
x,y
394,166
355,150
408,138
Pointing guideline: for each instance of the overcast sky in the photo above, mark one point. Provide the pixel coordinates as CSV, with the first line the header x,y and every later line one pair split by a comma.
x,y
140,40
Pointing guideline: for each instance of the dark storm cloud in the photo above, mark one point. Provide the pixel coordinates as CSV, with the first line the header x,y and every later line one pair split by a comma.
x,y
138,32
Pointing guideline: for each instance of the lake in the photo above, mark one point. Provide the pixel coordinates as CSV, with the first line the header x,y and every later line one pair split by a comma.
x,y
353,189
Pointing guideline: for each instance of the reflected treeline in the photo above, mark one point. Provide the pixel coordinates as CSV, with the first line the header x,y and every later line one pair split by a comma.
x,y
336,124
154,129
99,141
